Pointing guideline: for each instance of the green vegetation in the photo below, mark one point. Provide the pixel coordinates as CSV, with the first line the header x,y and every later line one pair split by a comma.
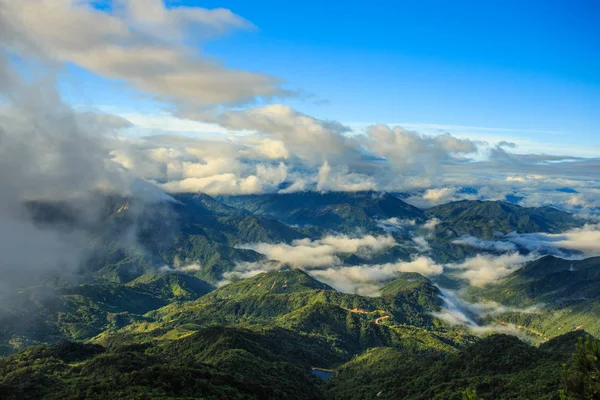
x,y
582,376
484,218
146,321
47,315
497,367
342,211
567,291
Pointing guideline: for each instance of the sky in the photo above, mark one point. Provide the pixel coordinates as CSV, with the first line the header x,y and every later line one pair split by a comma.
x,y
527,70
438,101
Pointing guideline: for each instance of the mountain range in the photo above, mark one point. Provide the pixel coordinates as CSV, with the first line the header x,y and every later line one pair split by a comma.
x,y
162,306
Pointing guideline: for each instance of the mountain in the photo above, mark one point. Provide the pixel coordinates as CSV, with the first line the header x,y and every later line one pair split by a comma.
x,y
340,211
484,219
566,293
168,336
548,280
45,314
233,363
254,338
130,237
498,367
154,314
214,363
205,204
293,300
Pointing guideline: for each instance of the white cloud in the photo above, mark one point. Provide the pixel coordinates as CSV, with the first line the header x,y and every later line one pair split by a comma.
x,y
484,269
396,225
142,43
483,244
421,244
431,224
323,252
585,240
367,280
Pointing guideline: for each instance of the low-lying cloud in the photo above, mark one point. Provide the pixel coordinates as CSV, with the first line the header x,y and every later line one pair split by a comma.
x,y
365,280
457,311
484,269
585,240
323,252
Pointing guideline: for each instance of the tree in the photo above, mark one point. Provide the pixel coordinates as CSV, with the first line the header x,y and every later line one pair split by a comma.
x,y
470,394
582,377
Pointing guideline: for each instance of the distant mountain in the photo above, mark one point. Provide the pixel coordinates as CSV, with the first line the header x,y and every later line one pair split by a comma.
x,y
485,219
202,203
172,286
329,210
132,237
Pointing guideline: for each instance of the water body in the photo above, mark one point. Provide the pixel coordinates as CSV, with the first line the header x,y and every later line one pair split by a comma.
x,y
321,373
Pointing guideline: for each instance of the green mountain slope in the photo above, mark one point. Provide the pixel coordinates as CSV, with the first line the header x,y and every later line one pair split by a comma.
x,y
295,301
232,363
566,291
80,312
498,367
484,218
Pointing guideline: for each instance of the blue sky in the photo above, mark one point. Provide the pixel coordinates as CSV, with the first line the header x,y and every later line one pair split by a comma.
x,y
529,70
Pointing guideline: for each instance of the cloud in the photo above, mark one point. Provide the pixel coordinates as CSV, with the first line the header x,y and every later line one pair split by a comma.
x,y
312,140
367,280
396,225
457,311
491,245
438,196
421,244
142,43
323,252
50,154
321,259
484,269
585,240
431,224
408,149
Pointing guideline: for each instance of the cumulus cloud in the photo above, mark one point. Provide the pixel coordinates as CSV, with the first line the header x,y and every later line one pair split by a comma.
x,y
142,43
431,224
421,244
321,259
407,149
439,196
313,140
